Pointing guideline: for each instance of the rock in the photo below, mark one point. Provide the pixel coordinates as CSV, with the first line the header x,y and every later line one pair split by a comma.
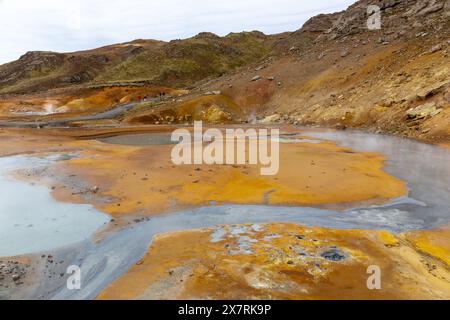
x,y
436,48
270,78
16,277
256,78
447,97
259,68
423,111
431,90
214,114
272,118
333,255
217,92
421,34
94,189
345,52
387,103
423,7
433,6
321,55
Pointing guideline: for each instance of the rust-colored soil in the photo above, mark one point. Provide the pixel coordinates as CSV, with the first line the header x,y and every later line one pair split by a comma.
x,y
280,261
146,182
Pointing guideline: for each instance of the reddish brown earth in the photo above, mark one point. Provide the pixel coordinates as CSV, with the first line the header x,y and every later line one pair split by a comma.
x,y
332,72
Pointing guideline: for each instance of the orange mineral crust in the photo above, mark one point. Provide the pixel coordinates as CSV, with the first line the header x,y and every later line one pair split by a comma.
x,y
280,261
145,181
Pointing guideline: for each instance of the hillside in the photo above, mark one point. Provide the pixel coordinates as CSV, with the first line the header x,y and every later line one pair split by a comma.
x,y
178,62
333,71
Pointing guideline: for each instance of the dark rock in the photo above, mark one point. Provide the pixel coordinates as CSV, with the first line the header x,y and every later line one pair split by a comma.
x,y
333,255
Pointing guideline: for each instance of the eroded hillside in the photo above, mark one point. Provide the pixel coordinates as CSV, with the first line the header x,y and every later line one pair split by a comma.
x,y
333,71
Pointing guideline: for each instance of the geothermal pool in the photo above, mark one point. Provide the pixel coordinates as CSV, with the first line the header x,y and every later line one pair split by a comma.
x,y
31,220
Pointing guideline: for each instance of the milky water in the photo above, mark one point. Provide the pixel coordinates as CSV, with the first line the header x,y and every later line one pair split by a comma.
x,y
425,169
31,220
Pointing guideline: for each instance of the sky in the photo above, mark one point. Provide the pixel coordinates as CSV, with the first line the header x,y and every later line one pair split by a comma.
x,y
65,26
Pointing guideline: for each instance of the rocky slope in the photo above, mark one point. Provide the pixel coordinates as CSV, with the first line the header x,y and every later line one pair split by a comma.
x,y
333,71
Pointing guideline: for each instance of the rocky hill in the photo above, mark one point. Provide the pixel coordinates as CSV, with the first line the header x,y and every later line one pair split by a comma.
x,y
178,62
334,71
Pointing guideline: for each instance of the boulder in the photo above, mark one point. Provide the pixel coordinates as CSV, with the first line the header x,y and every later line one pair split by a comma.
x,y
423,111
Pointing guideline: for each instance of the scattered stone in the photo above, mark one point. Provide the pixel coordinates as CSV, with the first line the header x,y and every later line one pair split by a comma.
x,y
16,277
345,52
431,90
436,48
256,78
423,111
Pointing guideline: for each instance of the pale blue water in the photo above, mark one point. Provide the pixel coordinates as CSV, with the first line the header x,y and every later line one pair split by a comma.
x,y
32,221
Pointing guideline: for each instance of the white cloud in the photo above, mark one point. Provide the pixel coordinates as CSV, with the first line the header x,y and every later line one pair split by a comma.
x,y
63,26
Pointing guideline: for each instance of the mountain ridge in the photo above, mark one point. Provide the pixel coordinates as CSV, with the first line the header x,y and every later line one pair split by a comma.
x,y
333,71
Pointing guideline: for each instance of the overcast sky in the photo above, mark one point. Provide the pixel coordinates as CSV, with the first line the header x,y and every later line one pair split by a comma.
x,y
63,26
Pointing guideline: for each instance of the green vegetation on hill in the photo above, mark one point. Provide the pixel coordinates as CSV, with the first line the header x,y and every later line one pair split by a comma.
x,y
174,63
182,62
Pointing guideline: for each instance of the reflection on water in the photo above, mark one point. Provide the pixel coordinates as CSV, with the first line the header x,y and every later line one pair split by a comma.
x,y
149,139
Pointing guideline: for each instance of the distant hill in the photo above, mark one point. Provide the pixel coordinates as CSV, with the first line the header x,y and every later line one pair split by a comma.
x,y
174,63
334,71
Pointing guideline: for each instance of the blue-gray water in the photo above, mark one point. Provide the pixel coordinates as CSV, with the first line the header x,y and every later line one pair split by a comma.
x,y
425,168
